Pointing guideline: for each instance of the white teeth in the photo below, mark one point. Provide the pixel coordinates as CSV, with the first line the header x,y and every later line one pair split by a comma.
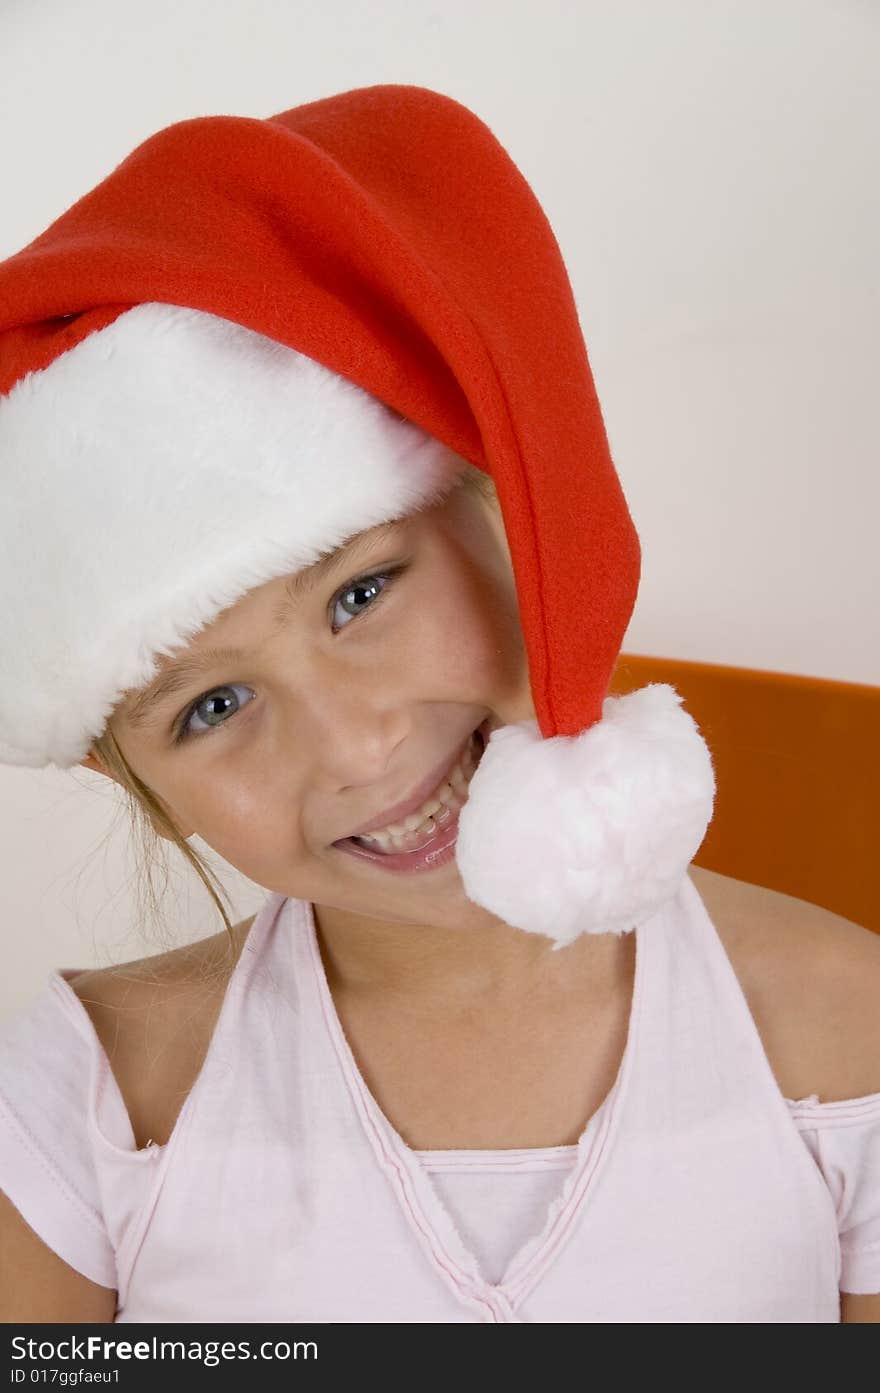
x,y
384,840
437,810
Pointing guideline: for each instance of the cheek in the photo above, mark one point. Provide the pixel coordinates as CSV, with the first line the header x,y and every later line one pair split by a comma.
x,y
257,833
234,804
463,641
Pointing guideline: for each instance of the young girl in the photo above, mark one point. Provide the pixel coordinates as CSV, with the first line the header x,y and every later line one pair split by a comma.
x,y
313,542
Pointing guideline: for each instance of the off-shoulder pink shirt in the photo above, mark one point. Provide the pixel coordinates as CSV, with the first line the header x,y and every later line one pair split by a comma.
x,y
696,1192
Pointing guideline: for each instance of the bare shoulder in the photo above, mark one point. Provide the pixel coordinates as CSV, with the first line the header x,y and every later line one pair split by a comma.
x,y
154,1017
812,982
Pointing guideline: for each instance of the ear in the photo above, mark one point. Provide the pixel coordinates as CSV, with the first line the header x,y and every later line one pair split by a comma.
x,y
92,762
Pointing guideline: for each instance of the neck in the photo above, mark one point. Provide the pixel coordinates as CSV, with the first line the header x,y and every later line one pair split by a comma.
x,y
490,962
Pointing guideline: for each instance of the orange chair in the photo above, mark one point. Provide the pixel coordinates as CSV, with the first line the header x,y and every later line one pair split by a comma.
x,y
797,768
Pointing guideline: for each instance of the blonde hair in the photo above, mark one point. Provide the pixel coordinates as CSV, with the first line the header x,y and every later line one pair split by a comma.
x,y
147,814
479,482
150,821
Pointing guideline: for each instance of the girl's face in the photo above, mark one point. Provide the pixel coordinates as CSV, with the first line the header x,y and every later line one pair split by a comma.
x,y
344,698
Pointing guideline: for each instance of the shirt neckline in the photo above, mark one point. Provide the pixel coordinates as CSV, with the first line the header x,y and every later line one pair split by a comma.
x,y
527,1161
507,1161
417,1195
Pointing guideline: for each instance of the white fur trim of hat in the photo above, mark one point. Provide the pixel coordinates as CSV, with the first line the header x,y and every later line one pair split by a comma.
x,y
189,460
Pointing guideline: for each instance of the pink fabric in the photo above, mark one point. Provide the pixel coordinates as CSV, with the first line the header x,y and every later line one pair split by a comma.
x,y
498,1199
696,1193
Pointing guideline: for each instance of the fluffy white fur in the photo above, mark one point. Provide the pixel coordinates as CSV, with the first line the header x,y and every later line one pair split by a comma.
x,y
173,461
158,471
589,833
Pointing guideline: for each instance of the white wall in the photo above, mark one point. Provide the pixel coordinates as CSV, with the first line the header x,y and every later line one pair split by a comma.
x,y
710,170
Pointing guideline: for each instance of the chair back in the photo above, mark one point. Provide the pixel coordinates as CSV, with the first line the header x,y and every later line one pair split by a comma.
x,y
797,768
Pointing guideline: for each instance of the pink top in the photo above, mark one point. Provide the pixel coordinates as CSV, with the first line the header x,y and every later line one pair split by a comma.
x,y
696,1193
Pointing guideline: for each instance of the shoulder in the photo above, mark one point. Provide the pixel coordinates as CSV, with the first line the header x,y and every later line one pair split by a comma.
x,y
812,982
154,1018
204,964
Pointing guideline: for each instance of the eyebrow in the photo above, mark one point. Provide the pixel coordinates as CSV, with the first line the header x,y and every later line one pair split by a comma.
x,y
176,678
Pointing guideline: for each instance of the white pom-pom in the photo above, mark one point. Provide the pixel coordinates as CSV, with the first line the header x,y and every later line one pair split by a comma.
x,y
590,833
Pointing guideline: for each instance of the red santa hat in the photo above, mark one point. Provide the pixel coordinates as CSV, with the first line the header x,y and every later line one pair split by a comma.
x,y
255,338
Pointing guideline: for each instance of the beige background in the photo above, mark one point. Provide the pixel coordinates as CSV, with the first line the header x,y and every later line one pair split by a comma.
x,y
710,170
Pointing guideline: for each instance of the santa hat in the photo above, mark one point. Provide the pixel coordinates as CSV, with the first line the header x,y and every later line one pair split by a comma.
x,y
255,338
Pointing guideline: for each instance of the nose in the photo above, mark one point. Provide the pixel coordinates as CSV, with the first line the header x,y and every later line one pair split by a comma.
x,y
352,735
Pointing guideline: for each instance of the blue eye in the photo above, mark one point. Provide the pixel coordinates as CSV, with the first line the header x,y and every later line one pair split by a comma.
x,y
367,589
367,592
223,695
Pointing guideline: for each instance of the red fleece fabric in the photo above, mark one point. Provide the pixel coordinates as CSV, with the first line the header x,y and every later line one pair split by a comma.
x,y
386,233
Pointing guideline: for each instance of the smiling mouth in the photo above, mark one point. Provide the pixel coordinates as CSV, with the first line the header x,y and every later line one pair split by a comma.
x,y
431,828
